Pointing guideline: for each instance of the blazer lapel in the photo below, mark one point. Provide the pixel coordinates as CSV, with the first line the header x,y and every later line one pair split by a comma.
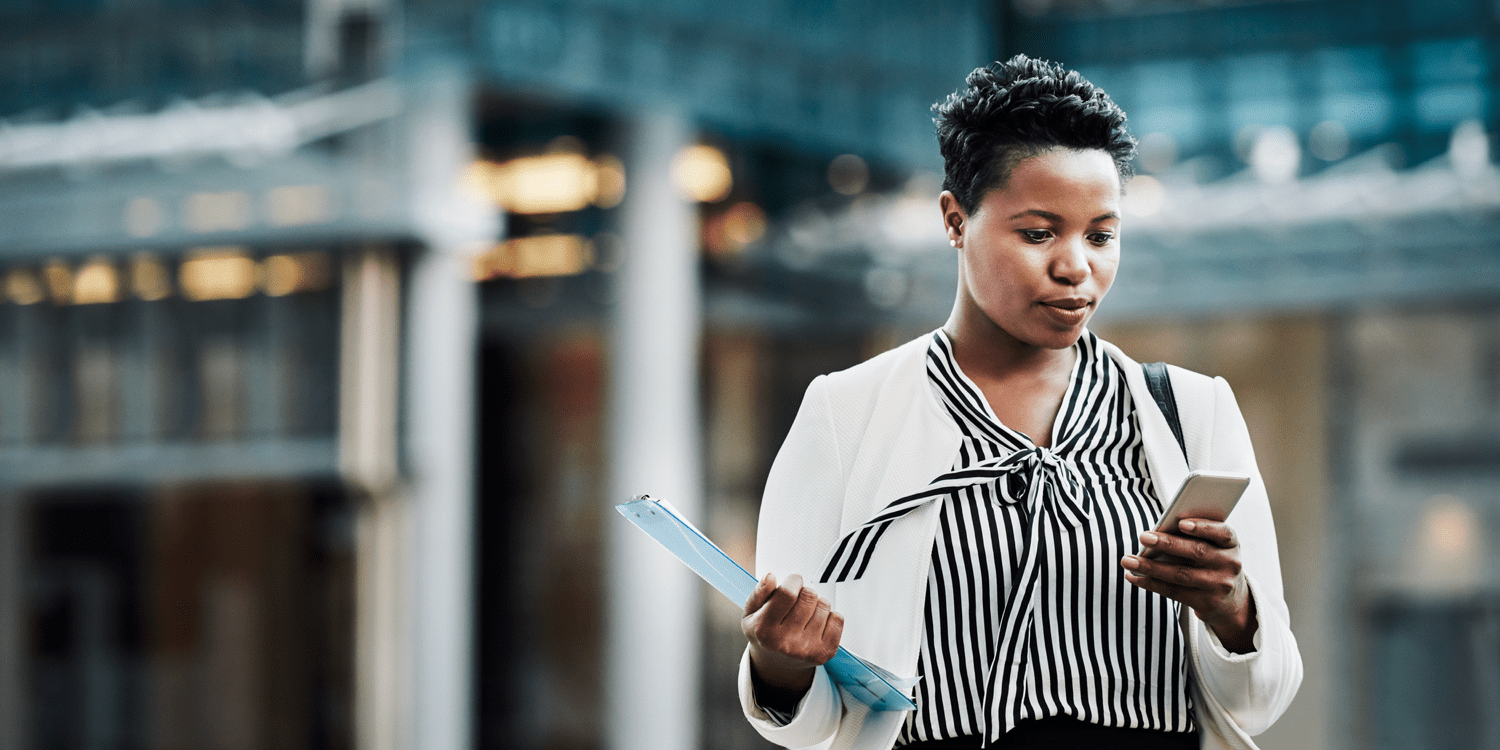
x,y
1163,456
908,442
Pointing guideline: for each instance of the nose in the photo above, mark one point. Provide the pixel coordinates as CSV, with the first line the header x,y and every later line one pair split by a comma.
x,y
1070,262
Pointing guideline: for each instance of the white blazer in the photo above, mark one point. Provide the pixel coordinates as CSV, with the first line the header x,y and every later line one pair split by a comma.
x,y
875,432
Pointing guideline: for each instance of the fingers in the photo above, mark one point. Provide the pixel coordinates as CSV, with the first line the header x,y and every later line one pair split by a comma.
x,y
793,583
761,594
808,607
792,622
1178,576
1140,573
833,631
1217,532
1199,565
781,601
789,605
795,602
1153,585
1208,590
1197,598
1195,550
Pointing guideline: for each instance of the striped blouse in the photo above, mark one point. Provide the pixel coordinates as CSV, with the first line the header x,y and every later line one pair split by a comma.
x,y
1028,612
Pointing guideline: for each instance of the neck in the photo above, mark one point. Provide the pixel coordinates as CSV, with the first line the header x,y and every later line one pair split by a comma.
x,y
988,352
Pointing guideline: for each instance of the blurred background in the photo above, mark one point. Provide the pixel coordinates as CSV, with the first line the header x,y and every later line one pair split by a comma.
x,y
331,330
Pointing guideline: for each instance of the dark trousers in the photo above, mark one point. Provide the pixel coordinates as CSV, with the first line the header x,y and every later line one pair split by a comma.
x,y
1067,733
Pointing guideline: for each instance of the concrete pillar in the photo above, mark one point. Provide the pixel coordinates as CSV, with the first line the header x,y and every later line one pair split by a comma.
x,y
369,362
654,617
440,347
440,356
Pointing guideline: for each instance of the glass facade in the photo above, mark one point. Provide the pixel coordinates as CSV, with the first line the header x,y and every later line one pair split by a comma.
x,y
196,616
1390,71
182,564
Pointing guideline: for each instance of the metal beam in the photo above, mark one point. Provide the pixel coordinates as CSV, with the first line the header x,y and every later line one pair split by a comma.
x,y
153,463
321,200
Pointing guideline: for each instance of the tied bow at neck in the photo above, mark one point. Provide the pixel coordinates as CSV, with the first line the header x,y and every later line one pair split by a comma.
x,y
1035,479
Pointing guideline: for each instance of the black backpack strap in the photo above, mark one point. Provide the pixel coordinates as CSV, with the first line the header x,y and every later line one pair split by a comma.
x,y
1160,385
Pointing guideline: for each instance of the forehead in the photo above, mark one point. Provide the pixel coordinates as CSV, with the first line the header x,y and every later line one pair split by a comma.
x,y
1061,181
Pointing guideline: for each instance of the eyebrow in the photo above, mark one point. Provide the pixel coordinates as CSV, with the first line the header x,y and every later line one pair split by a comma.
x,y
1048,215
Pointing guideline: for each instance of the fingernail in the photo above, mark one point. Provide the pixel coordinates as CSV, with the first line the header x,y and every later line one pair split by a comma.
x,y
1148,537
1130,562
1188,525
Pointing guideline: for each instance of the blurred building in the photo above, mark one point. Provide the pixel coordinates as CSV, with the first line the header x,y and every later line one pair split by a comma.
x,y
330,330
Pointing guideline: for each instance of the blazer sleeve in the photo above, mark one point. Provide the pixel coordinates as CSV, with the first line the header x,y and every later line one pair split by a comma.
x,y
799,523
1255,688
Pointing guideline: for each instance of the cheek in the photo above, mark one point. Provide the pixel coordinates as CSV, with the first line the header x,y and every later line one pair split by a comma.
x,y
991,274
1106,266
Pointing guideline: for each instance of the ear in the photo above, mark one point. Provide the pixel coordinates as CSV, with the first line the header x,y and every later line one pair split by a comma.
x,y
955,219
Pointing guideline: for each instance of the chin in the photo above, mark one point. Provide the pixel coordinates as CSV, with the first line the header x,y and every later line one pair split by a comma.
x,y
1055,339
1065,343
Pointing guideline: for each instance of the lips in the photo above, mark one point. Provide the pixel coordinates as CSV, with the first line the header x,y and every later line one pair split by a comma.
x,y
1069,311
1067,303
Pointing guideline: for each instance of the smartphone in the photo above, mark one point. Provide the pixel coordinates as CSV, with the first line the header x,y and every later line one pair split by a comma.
x,y
1209,495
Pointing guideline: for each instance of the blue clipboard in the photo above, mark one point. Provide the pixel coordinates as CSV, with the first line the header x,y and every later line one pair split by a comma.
x,y
865,682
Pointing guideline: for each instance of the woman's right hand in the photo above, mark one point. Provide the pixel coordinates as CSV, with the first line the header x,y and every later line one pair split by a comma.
x,y
791,631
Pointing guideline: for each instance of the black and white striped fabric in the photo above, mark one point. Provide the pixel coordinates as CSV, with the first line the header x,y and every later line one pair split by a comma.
x,y
1028,612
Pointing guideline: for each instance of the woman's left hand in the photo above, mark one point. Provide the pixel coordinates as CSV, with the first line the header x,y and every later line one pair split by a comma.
x,y
1200,567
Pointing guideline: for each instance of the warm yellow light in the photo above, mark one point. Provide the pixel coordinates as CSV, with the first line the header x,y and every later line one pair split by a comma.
x,y
299,205
22,287
735,229
610,173
702,174
217,273
59,280
217,212
148,278
1450,528
551,183
296,272
96,283
1448,547
545,255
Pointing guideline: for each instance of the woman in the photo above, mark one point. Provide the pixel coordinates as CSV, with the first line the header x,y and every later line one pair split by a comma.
x,y
971,507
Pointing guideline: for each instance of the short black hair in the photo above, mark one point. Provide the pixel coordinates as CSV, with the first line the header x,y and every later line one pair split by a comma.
x,y
1013,110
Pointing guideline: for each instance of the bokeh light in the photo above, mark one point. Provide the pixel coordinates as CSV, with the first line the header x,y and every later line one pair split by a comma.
x,y
702,174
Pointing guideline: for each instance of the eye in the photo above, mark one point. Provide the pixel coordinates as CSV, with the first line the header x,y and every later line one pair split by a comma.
x,y
1100,239
1036,236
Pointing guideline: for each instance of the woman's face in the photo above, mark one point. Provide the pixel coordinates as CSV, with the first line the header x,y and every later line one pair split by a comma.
x,y
1039,254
